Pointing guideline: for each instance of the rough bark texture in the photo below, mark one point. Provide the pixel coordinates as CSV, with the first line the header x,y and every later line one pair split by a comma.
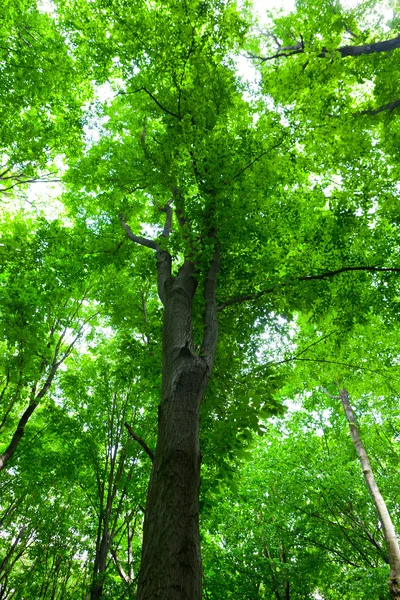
x,y
380,505
171,562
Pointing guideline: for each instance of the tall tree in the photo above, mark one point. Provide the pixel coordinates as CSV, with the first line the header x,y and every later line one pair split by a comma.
x,y
44,304
229,191
223,182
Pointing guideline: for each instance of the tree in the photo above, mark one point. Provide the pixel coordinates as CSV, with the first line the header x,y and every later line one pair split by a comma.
x,y
181,120
44,291
391,541
102,395
42,92
301,522
229,190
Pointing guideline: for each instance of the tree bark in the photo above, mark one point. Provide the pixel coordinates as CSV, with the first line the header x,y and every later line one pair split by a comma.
x,y
100,565
384,46
16,438
392,544
298,48
171,562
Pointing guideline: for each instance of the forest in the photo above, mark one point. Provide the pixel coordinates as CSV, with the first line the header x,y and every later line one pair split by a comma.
x,y
199,300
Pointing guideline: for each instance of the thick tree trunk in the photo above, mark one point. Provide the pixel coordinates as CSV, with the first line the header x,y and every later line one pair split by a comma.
x,y
171,561
392,544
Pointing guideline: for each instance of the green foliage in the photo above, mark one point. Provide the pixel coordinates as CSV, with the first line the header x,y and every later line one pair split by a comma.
x,y
295,179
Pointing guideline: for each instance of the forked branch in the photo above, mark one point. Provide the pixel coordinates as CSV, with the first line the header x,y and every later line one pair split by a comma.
x,y
137,238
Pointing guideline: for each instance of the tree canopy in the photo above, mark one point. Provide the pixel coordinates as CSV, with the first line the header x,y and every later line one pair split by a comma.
x,y
181,323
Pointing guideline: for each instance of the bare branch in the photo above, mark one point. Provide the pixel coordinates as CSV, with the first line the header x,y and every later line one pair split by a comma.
x,y
135,238
140,441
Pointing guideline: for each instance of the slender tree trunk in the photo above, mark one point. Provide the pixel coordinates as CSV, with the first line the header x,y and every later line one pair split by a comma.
x,y
19,432
100,565
287,581
392,544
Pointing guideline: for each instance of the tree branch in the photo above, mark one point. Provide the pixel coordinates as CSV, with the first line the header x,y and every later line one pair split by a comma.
x,y
327,274
391,106
136,238
385,46
119,567
143,89
140,441
210,320
327,393
257,158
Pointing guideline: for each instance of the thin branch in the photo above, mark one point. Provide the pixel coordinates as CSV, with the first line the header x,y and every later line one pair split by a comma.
x,y
256,159
279,54
143,89
331,362
327,274
319,340
119,567
210,312
140,441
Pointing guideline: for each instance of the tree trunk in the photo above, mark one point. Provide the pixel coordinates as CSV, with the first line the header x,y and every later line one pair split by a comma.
x,y
171,562
100,565
392,544
19,432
